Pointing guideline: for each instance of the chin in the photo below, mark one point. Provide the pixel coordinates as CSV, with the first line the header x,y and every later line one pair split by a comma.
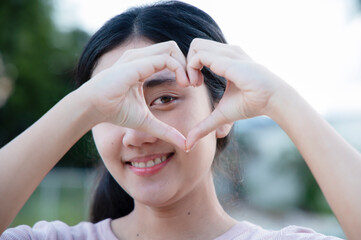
x,y
155,200
155,195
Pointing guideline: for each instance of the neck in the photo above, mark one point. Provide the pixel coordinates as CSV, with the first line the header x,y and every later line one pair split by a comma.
x,y
199,213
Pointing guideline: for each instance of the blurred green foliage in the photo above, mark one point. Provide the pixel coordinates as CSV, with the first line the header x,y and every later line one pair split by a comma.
x,y
70,209
312,199
40,59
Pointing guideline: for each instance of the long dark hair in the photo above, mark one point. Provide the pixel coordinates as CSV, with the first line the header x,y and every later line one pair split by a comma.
x,y
159,22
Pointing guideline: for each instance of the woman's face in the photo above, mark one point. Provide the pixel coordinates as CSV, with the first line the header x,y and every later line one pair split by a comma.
x,y
127,152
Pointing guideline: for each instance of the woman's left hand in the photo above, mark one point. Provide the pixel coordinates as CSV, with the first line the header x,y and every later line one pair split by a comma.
x,y
251,91
250,86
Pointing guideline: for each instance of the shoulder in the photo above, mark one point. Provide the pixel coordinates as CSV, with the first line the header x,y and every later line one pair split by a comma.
x,y
246,230
60,230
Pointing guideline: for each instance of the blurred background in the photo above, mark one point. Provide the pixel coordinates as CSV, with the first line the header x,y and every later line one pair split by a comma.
x,y
314,45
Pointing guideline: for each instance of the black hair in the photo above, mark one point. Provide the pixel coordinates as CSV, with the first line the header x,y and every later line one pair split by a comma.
x,y
159,22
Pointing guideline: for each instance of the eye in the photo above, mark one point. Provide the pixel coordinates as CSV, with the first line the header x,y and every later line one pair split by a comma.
x,y
163,100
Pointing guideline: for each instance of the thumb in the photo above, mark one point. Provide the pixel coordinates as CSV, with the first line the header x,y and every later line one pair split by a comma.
x,y
163,131
203,128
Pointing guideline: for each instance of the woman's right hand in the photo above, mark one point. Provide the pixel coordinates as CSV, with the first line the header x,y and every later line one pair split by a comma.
x,y
116,93
250,92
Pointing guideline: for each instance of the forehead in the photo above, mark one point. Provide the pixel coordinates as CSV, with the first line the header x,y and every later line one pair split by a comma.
x,y
109,58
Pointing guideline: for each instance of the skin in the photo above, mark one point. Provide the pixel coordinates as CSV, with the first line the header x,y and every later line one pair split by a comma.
x,y
254,90
103,104
182,192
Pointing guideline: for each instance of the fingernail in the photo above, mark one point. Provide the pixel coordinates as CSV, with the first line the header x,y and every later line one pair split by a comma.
x,y
190,148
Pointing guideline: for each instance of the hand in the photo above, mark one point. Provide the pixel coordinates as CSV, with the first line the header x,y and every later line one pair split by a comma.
x,y
117,92
250,86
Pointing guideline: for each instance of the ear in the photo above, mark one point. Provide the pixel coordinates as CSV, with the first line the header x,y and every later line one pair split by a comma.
x,y
223,130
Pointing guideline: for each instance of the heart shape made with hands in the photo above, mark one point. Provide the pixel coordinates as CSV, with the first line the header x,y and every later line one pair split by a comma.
x,y
246,95
214,121
217,58
119,92
248,90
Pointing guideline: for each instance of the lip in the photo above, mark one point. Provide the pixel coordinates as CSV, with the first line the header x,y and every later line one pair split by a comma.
x,y
148,157
149,170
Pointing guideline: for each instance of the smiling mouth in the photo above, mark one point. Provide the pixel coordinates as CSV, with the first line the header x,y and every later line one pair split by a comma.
x,y
150,163
149,167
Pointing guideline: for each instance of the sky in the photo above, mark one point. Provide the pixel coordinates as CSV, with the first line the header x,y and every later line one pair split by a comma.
x,y
314,45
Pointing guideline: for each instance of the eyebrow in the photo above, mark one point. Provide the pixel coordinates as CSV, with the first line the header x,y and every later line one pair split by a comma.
x,y
158,82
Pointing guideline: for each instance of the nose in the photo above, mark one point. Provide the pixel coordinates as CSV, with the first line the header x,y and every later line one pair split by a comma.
x,y
134,138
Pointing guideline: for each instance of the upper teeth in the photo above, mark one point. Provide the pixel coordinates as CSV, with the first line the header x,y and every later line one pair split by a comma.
x,y
149,163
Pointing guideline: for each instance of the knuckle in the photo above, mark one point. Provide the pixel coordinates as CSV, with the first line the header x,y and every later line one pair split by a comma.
x,y
172,44
198,40
194,43
172,47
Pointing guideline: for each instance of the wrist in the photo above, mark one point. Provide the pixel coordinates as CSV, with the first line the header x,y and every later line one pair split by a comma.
x,y
283,102
84,108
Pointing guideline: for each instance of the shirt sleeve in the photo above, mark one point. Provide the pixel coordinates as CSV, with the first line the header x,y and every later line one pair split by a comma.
x,y
58,230
303,233
41,230
248,231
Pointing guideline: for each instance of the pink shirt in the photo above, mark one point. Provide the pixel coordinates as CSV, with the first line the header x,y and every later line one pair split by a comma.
x,y
60,231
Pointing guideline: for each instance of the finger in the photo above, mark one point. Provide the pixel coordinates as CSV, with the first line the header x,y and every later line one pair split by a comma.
x,y
200,79
194,75
141,69
202,129
163,131
161,62
223,49
218,50
170,48
218,64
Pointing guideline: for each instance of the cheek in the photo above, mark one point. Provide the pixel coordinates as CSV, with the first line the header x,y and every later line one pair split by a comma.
x,y
201,158
192,110
187,116
107,138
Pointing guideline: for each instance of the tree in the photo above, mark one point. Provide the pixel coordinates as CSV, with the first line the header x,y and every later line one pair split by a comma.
x,y
39,59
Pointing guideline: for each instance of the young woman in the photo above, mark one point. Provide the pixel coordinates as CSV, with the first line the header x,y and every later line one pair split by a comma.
x,y
160,92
